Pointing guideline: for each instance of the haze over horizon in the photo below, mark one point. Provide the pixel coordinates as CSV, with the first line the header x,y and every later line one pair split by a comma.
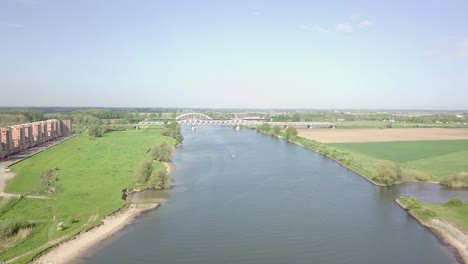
x,y
236,54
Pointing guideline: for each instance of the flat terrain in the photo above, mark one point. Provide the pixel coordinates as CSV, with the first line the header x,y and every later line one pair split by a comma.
x,y
436,158
382,135
89,177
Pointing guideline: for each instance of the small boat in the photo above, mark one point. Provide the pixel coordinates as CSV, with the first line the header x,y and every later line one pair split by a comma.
x,y
233,156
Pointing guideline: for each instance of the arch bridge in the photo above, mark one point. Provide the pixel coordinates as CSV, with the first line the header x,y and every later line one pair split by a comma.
x,y
198,119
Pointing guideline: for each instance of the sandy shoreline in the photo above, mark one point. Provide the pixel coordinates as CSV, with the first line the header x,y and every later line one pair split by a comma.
x,y
170,167
447,232
65,252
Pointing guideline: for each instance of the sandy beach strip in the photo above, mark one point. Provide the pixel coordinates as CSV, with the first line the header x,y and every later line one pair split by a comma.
x,y
65,252
447,232
170,167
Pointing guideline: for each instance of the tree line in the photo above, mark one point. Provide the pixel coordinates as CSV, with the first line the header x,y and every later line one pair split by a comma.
x,y
289,133
150,177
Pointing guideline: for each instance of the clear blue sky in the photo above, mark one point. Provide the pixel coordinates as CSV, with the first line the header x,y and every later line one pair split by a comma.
x,y
240,53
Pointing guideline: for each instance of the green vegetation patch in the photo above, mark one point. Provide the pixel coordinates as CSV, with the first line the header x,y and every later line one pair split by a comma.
x,y
404,151
444,165
84,179
454,211
10,227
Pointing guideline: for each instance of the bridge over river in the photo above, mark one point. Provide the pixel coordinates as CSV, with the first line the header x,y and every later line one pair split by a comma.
x,y
198,119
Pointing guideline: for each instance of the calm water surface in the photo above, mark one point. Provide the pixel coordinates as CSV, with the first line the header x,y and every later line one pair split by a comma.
x,y
275,203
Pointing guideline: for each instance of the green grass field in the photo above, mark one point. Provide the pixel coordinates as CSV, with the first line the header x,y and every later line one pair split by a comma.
x,y
91,175
436,158
454,214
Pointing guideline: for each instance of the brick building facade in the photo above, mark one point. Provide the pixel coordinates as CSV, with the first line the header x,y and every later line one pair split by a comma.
x,y
20,137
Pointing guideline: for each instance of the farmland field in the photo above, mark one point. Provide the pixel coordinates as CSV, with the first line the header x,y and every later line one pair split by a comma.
x,y
405,151
382,135
437,158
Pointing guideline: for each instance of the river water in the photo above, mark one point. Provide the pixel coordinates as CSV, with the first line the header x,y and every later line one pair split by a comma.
x,y
275,203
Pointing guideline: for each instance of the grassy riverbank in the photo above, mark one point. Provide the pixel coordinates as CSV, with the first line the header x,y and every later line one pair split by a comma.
x,y
362,164
436,159
387,163
449,220
80,181
454,211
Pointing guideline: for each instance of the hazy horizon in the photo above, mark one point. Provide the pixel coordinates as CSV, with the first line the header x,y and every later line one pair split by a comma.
x,y
240,55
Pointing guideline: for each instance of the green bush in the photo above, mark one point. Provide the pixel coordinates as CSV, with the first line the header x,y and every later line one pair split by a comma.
x,y
411,203
96,131
455,202
388,172
426,213
265,127
457,180
276,130
161,152
143,171
159,180
290,133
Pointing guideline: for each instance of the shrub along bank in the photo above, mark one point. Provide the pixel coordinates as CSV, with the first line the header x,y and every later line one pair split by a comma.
x,y
380,172
387,163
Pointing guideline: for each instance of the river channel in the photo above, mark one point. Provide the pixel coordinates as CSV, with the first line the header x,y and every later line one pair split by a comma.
x,y
276,202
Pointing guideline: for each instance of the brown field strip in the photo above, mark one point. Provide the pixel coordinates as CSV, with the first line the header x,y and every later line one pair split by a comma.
x,y
382,135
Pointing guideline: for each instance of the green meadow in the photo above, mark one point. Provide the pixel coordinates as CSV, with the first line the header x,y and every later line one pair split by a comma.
x,y
88,178
436,158
452,212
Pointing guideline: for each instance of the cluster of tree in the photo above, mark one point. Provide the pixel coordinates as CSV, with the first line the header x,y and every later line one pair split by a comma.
x,y
265,127
92,117
161,152
152,179
173,129
14,117
31,115
290,133
96,131
106,114
456,180
297,117
388,173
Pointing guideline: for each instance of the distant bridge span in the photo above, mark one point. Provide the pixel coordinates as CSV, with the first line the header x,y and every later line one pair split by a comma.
x,y
193,116
198,119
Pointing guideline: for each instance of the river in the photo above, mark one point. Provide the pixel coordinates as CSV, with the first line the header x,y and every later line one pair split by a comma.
x,y
275,203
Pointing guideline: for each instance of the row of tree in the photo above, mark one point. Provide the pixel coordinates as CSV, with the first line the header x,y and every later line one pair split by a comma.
x,y
173,130
289,133
151,178
14,117
148,176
